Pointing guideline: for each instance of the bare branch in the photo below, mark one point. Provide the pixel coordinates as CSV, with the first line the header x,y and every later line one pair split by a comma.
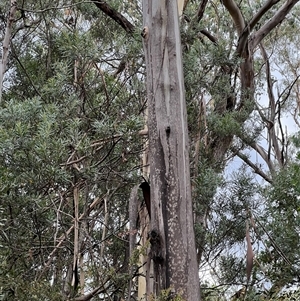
x,y
274,244
272,23
288,90
255,168
281,153
201,10
296,110
236,15
15,56
209,36
94,292
264,155
261,13
64,236
116,16
255,19
271,129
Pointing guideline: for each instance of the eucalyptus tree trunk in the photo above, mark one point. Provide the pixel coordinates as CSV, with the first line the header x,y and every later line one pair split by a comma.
x,y
6,41
172,240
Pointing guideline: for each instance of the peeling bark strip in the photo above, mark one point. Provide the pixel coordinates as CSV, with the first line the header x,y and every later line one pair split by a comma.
x,y
171,204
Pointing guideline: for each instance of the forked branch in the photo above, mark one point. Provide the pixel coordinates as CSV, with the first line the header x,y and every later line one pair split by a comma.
x,y
273,22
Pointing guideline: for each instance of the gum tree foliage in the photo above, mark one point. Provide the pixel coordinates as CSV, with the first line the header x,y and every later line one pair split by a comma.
x,y
69,152
72,106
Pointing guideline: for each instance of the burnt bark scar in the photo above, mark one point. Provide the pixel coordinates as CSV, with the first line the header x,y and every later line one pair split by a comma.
x,y
156,251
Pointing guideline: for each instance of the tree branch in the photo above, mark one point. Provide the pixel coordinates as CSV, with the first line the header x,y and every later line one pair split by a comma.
x,y
64,236
116,16
255,19
236,15
287,91
94,292
209,36
271,129
256,169
261,12
264,155
272,23
201,10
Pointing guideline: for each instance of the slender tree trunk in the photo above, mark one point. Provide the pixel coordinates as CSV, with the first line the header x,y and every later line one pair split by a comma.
x,y
6,41
172,238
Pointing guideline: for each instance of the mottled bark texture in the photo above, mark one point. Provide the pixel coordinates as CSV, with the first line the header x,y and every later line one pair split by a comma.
x,y
175,264
6,42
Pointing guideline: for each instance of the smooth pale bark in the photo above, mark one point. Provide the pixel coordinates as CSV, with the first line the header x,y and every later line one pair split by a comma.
x,y
6,41
173,250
